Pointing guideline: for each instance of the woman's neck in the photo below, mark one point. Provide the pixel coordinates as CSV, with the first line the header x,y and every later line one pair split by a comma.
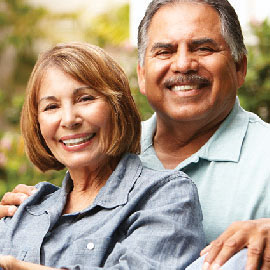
x,y
86,186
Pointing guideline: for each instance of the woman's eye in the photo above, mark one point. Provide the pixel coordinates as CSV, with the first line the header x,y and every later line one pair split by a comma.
x,y
50,107
86,98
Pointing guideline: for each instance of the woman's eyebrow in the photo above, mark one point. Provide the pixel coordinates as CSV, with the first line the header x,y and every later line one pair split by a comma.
x,y
52,98
75,92
80,89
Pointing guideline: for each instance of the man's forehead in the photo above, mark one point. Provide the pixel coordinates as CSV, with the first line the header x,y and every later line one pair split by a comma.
x,y
197,10
184,20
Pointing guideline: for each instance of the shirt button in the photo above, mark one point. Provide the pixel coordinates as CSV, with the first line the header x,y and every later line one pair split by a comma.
x,y
90,246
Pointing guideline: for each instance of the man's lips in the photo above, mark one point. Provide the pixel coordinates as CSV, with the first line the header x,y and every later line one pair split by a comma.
x,y
186,83
77,139
177,88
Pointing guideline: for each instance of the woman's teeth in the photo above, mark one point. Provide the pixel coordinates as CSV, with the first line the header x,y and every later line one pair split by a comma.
x,y
77,141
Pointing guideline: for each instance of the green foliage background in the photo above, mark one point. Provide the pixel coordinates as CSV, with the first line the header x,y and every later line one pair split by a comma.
x,y
25,30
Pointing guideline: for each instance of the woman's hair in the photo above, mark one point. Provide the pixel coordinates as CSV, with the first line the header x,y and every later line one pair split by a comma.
x,y
92,66
230,26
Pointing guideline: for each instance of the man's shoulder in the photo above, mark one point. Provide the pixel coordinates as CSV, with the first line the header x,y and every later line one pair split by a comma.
x,y
257,127
256,142
254,119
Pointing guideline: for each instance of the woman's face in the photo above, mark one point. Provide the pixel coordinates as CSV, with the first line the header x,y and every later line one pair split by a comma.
x,y
72,119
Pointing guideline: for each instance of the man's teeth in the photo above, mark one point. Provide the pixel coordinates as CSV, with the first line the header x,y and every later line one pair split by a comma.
x,y
184,87
72,142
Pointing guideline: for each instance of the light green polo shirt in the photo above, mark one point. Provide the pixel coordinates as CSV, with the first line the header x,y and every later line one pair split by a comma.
x,y
231,171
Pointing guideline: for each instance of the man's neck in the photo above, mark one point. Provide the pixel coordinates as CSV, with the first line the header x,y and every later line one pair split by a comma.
x,y
175,143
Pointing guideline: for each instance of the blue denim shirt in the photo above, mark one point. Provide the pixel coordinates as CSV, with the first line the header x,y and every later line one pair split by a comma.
x,y
141,219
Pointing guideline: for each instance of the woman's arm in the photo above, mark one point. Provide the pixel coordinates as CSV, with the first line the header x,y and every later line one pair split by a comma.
x,y
10,263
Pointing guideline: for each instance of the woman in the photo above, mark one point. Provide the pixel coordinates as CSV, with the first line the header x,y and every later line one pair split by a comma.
x,y
110,213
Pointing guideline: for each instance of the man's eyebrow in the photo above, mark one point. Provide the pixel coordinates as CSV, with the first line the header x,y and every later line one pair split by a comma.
x,y
162,45
202,41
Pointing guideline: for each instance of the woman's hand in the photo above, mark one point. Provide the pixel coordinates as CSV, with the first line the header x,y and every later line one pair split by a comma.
x,y
12,199
10,263
253,234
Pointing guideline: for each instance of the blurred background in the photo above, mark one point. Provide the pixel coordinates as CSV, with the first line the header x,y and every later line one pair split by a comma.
x,y
28,27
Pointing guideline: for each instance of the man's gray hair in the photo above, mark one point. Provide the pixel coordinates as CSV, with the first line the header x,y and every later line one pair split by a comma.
x,y
230,26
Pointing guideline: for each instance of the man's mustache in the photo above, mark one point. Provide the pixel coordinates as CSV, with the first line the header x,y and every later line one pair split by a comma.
x,y
186,79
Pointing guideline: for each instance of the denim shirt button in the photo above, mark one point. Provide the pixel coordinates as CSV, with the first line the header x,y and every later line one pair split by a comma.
x,y
90,246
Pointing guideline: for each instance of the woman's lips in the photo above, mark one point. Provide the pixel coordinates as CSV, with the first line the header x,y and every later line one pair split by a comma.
x,y
77,141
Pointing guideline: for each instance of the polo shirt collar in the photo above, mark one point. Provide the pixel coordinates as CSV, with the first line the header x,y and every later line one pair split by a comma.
x,y
148,131
227,141
224,145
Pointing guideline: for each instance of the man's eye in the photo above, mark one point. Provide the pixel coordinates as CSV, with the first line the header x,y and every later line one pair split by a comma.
x,y
163,54
206,49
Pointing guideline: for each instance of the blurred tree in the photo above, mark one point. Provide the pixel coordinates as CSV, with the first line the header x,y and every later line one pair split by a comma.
x,y
111,30
21,27
255,93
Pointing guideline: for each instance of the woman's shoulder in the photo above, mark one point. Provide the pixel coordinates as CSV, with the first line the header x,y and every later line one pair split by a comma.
x,y
151,179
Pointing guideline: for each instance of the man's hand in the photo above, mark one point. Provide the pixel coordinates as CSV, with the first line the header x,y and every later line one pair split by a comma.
x,y
253,234
12,199
10,263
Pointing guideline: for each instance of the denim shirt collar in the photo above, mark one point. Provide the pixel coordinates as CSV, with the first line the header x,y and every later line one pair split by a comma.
x,y
224,145
114,193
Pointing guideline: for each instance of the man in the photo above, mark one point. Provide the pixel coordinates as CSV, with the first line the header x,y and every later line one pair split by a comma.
x,y
192,60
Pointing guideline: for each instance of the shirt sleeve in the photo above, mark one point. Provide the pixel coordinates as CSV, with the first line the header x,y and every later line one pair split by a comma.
x,y
165,231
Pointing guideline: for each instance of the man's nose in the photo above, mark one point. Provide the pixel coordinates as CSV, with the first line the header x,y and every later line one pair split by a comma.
x,y
184,61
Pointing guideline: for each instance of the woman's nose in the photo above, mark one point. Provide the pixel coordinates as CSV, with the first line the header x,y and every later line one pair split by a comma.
x,y
70,118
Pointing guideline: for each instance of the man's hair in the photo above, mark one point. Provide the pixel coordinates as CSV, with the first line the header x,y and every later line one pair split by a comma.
x,y
230,26
92,66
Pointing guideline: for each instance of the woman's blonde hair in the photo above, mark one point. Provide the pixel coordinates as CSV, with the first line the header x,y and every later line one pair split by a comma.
x,y
92,66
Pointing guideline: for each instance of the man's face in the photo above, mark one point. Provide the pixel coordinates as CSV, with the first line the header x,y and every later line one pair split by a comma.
x,y
189,73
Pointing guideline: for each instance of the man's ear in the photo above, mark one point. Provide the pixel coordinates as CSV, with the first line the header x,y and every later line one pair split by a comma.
x,y
241,69
141,78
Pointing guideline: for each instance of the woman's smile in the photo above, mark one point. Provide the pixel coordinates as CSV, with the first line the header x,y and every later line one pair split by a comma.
x,y
76,142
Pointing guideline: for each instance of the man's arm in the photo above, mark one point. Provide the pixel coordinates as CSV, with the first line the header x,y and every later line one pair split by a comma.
x,y
253,234
12,199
